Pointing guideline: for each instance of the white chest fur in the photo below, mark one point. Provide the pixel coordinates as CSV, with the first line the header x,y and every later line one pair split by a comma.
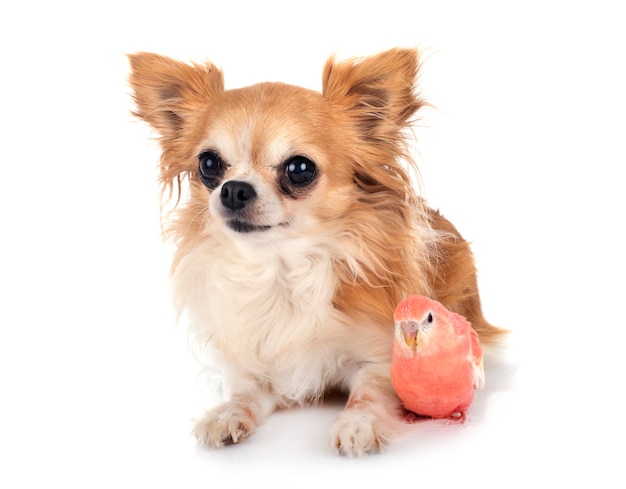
x,y
267,308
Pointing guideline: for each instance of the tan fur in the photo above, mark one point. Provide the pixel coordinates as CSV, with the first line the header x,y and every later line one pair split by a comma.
x,y
361,215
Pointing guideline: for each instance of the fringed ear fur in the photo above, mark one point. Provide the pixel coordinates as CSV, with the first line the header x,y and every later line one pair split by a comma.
x,y
170,96
167,92
379,91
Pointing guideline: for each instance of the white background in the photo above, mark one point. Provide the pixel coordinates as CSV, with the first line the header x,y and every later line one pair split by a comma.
x,y
525,154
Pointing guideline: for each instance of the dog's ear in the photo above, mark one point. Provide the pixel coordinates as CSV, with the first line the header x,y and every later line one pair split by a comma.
x,y
379,91
168,92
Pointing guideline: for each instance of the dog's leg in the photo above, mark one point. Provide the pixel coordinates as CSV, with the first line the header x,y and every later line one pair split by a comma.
x,y
367,422
235,419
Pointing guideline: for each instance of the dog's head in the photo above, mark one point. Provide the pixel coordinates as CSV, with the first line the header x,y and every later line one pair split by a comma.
x,y
275,158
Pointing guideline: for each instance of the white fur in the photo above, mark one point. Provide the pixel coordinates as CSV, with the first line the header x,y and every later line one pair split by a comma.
x,y
266,305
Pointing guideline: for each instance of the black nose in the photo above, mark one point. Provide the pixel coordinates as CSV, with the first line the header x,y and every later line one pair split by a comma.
x,y
236,195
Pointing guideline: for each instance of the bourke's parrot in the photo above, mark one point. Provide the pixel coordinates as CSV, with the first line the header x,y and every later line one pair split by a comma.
x,y
437,359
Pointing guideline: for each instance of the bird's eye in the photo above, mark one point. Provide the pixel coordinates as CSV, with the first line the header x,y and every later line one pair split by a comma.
x,y
430,318
300,171
210,168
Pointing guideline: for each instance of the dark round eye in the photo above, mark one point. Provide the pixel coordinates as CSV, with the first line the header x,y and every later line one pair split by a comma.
x,y
429,319
210,168
300,171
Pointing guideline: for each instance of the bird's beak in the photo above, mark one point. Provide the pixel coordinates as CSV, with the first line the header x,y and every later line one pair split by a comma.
x,y
409,333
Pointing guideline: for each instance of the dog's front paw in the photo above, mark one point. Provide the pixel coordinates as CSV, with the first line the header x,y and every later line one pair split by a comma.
x,y
224,425
357,433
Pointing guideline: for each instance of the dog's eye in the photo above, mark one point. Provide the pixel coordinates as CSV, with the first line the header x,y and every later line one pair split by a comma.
x,y
300,171
210,167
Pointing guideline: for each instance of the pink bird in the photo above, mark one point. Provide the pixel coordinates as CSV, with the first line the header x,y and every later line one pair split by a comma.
x,y
437,359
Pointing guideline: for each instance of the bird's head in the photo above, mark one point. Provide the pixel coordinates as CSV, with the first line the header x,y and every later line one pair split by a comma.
x,y
416,319
414,331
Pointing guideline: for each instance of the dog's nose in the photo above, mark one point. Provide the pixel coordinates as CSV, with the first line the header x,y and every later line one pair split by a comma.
x,y
236,195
